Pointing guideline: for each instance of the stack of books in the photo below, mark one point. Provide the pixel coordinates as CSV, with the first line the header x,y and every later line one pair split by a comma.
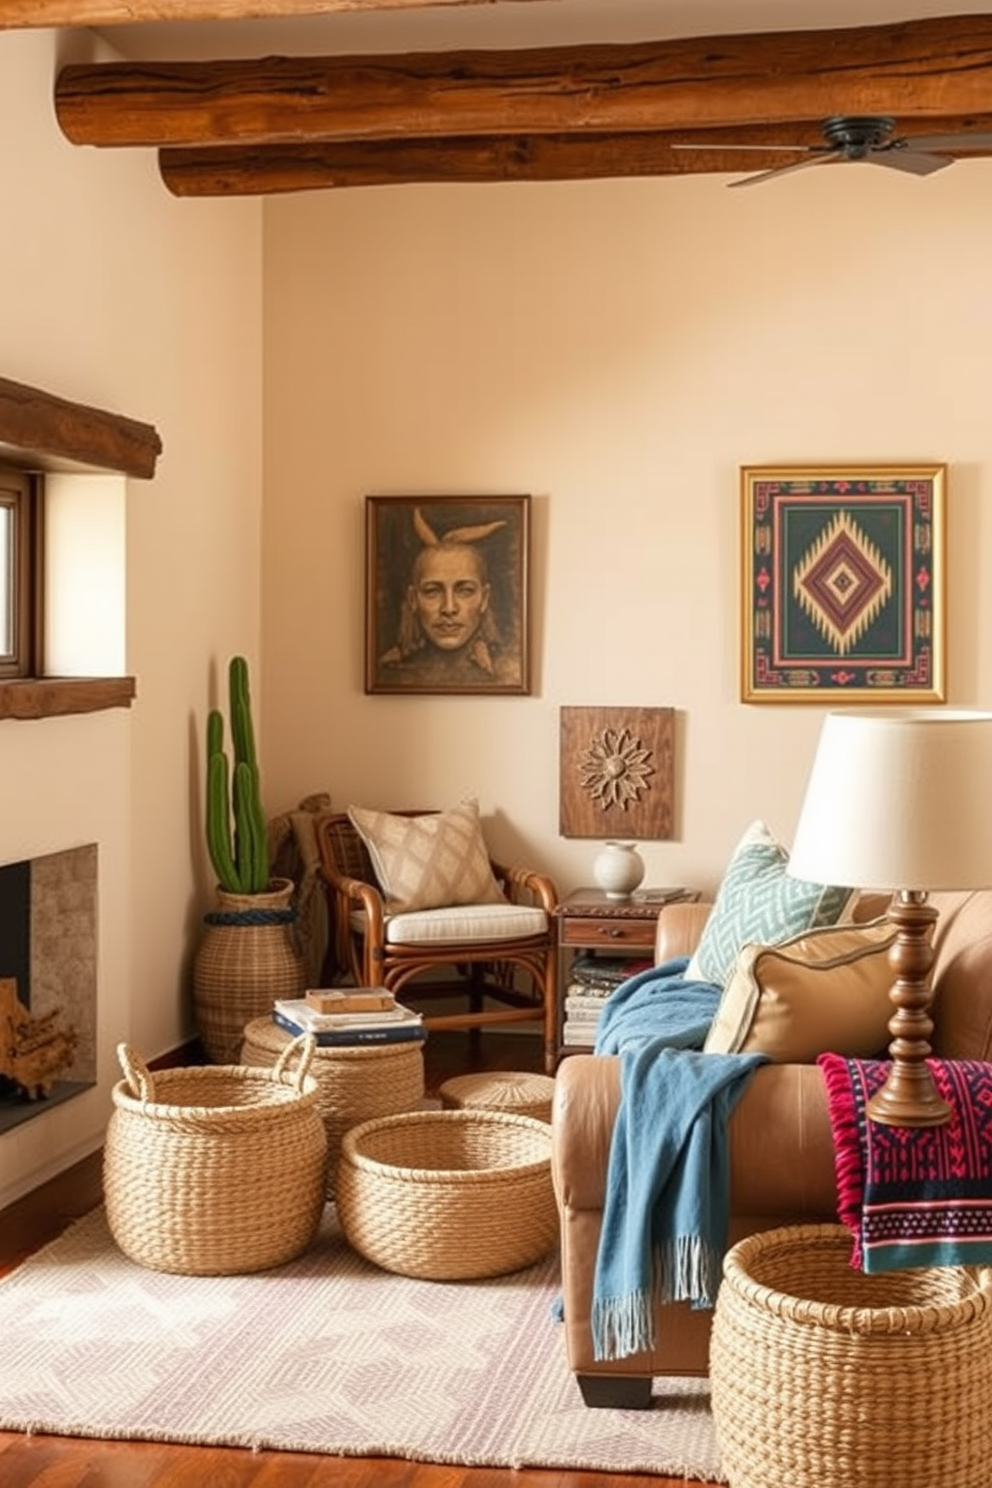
x,y
591,980
349,1015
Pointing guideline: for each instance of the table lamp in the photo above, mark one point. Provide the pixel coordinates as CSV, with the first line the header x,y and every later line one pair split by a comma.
x,y
901,800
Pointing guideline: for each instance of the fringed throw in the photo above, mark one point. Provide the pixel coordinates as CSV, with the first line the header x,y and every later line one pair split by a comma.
x,y
913,1196
666,1211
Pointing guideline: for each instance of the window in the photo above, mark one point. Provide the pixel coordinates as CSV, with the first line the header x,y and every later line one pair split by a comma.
x,y
63,554
20,572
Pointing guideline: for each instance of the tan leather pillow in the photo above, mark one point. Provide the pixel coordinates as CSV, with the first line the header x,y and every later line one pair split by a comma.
x,y
825,991
431,861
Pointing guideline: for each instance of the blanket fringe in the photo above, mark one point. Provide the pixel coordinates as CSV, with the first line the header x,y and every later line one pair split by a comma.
x,y
838,1077
622,1326
684,1270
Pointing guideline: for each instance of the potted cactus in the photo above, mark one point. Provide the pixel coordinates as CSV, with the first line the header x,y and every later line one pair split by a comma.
x,y
248,955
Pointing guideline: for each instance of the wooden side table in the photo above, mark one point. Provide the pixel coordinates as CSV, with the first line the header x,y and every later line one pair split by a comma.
x,y
590,921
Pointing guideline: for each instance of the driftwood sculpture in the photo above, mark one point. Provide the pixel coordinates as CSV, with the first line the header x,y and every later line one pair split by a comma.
x,y
33,1051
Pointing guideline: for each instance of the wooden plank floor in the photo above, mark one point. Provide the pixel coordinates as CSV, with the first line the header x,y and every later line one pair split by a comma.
x,y
64,1462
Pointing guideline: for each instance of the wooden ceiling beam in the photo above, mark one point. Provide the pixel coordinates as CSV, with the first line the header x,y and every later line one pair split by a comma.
x,y
25,14
923,69
237,170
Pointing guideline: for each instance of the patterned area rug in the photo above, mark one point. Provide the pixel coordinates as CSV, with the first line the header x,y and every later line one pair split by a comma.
x,y
328,1354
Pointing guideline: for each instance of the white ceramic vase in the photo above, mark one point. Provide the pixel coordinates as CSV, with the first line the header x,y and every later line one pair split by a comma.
x,y
618,869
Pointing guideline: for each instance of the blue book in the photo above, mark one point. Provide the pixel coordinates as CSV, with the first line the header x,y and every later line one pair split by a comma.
x,y
383,1033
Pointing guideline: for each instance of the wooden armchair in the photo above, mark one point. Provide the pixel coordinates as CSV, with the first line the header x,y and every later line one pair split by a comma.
x,y
501,953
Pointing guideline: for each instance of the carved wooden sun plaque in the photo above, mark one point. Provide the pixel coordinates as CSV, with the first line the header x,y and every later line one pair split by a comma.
x,y
616,773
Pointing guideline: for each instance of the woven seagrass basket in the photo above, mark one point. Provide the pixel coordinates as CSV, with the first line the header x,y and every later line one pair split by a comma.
x,y
821,1375
217,1169
247,957
519,1092
354,1082
448,1195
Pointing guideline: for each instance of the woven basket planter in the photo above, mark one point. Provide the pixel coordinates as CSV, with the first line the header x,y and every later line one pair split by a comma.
x,y
354,1084
821,1375
247,958
448,1195
215,1170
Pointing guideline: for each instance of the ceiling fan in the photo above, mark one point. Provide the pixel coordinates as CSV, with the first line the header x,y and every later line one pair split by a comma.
x,y
854,137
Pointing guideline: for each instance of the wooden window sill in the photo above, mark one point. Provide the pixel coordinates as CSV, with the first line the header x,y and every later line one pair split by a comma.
x,y
54,697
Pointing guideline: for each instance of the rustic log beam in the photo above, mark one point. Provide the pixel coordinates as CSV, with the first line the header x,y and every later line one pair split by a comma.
x,y
921,68
38,424
24,14
235,170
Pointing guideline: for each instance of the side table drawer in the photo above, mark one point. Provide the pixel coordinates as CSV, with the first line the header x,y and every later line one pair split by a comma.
x,y
590,933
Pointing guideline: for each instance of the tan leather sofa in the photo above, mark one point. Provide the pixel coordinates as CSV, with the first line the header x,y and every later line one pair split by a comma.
x,y
781,1150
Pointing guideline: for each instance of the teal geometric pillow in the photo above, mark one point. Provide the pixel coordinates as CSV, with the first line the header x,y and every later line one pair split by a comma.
x,y
758,903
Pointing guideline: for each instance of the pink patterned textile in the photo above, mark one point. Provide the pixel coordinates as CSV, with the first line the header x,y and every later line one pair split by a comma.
x,y
913,1196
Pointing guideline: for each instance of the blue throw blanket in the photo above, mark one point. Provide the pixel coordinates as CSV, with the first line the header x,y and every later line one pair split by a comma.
x,y
666,1212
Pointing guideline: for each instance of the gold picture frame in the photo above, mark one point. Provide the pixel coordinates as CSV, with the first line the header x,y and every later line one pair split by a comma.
x,y
843,584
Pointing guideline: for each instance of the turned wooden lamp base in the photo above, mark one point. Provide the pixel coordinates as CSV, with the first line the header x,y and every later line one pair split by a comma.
x,y
909,1096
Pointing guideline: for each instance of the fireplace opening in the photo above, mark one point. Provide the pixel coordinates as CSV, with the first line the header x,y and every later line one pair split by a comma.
x,y
48,968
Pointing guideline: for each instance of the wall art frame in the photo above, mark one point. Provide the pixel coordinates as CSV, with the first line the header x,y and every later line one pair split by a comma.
x,y
843,584
616,773
447,594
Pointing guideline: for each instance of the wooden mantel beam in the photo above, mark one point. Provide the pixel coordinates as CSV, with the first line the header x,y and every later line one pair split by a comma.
x,y
925,69
24,14
246,170
39,425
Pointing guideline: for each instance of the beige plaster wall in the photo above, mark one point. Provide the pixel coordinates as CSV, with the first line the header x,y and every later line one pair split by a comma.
x,y
619,350
114,294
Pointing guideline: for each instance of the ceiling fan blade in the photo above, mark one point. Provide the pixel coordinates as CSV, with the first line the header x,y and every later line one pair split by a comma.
x,y
723,145
785,170
956,142
914,162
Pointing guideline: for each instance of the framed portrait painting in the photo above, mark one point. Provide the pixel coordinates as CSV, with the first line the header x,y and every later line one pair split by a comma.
x,y
446,594
843,584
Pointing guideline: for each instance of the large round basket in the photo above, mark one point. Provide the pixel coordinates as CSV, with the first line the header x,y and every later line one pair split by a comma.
x,y
217,1169
820,1374
448,1195
354,1082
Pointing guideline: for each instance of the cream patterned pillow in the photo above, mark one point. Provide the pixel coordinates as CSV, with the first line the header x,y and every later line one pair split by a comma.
x,y
428,862
823,992
758,902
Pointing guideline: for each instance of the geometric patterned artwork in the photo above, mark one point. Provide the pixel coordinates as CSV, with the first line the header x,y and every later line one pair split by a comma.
x,y
843,592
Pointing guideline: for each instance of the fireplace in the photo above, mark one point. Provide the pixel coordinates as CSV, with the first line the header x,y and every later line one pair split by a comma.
x,y
48,973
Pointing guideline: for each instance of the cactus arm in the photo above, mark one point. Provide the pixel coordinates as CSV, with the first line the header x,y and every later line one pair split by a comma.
x,y
259,835
241,725
219,824
246,842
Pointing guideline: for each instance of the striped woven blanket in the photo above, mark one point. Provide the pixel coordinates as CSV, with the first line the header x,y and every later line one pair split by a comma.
x,y
913,1196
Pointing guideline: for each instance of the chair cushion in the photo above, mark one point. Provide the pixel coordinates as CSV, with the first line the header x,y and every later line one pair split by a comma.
x,y
466,924
823,991
431,861
758,902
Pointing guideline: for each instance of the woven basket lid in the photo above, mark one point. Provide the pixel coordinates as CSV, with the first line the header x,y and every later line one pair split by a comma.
x,y
500,1090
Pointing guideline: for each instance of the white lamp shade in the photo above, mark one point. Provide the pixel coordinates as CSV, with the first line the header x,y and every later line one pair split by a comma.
x,y
899,799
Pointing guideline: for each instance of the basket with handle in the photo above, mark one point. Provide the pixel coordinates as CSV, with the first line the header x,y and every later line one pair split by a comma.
x,y
354,1081
214,1170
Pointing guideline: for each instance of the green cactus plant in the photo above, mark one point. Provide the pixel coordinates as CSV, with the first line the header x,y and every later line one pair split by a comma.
x,y
236,827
